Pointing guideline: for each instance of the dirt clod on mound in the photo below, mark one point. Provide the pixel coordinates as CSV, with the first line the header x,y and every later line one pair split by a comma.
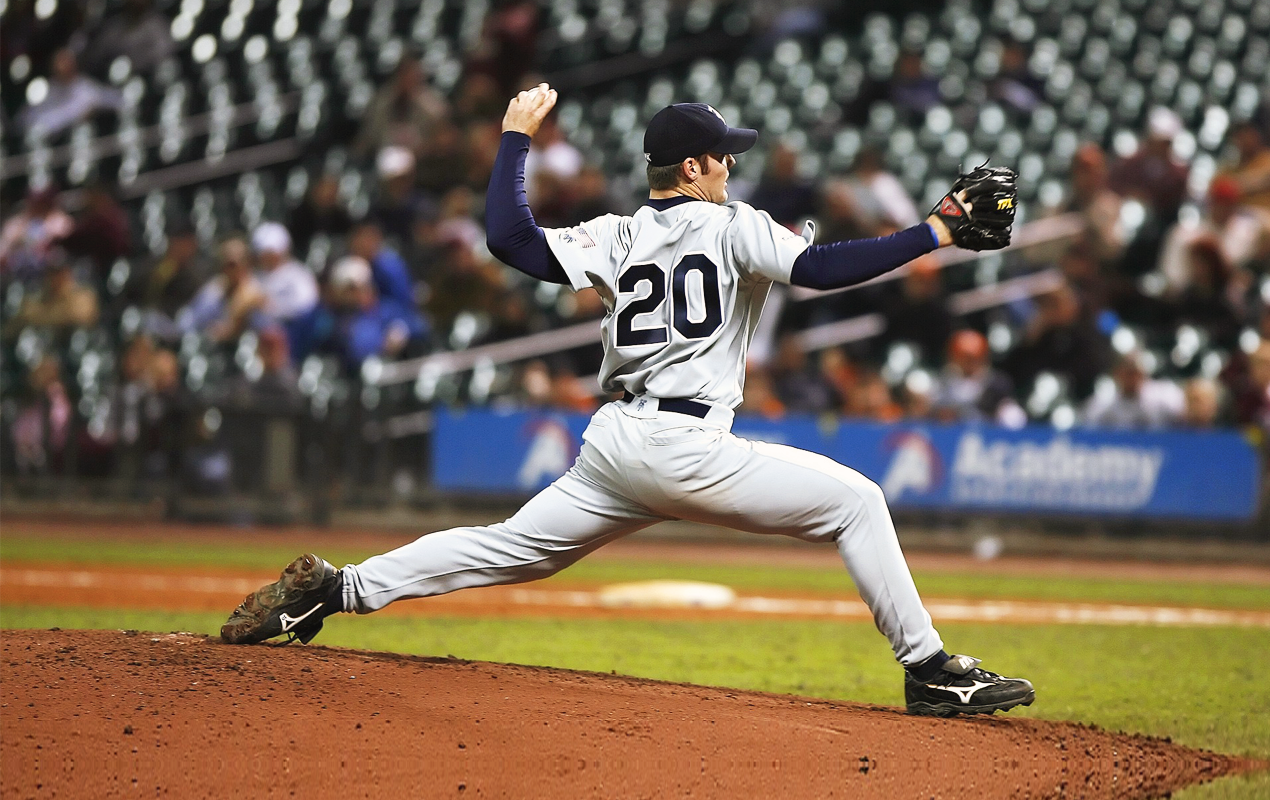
x,y
104,714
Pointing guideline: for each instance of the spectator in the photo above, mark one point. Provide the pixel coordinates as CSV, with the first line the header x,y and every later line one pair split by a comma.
x,y
1135,401
782,192
1083,273
62,304
535,385
591,197
872,399
402,113
1060,339
71,98
911,91
552,162
1015,86
443,162
479,100
481,147
1090,196
229,303
163,286
1153,178
463,282
1151,174
23,32
569,392
798,387
876,198
1251,172
320,213
917,395
1204,400
102,439
137,32
364,323
391,275
41,426
28,235
919,314
508,47
1241,232
163,426
291,291
101,231
457,220
277,386
398,205
1213,298
1252,390
838,373
839,215
970,389
759,397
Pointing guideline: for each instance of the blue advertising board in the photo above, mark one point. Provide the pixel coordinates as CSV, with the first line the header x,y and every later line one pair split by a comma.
x,y
1167,475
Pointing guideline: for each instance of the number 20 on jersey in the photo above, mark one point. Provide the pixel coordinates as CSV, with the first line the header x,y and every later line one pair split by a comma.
x,y
677,311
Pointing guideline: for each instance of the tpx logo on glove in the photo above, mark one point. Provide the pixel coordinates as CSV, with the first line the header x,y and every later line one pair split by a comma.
x,y
949,208
1004,203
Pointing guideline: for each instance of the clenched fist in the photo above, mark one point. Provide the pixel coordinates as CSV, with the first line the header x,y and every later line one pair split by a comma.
x,y
528,109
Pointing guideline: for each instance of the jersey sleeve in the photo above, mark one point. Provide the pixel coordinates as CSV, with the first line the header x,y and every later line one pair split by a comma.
x,y
762,248
586,251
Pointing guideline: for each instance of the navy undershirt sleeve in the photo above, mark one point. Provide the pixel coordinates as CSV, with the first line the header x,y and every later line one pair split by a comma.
x,y
841,264
511,232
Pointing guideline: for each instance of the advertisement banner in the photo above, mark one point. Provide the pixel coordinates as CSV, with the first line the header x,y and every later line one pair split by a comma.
x,y
1079,472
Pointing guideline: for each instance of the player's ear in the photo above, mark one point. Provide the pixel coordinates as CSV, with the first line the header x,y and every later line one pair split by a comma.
x,y
689,169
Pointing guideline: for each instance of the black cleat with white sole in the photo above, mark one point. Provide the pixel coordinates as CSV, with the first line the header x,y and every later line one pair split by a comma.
x,y
960,687
308,591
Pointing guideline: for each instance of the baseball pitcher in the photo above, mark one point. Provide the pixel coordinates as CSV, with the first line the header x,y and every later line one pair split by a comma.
x,y
684,280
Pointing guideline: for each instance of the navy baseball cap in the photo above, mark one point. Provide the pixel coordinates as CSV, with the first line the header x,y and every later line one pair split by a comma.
x,y
686,130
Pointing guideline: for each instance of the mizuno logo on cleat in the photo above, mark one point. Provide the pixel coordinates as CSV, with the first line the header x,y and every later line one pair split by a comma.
x,y
289,622
964,692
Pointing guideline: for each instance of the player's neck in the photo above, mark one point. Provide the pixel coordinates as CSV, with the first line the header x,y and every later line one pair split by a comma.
x,y
683,190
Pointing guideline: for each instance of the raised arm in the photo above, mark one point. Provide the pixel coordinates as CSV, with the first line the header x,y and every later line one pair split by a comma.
x,y
511,232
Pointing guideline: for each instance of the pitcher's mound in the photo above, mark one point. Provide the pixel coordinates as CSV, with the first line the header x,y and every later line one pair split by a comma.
x,y
114,714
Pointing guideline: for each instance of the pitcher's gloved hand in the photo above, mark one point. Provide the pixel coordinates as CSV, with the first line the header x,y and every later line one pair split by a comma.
x,y
979,208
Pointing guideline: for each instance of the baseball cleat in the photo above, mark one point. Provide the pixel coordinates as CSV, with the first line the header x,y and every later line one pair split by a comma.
x,y
308,591
960,687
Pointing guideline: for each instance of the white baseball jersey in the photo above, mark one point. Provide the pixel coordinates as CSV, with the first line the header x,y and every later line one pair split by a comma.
x,y
684,288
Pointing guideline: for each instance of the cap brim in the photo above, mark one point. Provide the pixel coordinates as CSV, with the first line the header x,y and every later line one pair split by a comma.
x,y
737,140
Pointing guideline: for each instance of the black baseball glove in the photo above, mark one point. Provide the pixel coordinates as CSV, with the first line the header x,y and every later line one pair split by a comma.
x,y
979,208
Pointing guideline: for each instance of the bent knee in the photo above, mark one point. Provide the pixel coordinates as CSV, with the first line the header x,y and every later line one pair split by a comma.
x,y
870,494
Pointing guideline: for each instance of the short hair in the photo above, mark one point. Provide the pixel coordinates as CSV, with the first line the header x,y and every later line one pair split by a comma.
x,y
663,178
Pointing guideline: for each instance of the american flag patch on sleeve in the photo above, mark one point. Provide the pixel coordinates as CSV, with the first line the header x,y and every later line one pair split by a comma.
x,y
577,236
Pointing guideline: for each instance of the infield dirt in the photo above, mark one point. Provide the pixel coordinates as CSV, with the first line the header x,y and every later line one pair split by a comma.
x,y
115,714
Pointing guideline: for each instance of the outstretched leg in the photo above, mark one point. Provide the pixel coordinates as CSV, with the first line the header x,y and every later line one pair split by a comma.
x,y
561,524
564,522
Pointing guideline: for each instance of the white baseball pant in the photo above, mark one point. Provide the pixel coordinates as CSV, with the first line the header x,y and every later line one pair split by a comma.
x,y
639,466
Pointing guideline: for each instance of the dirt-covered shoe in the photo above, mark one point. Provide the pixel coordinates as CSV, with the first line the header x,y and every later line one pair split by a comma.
x,y
960,687
308,591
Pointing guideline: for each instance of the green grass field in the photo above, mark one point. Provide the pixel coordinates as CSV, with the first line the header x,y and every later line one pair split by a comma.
x,y
1200,686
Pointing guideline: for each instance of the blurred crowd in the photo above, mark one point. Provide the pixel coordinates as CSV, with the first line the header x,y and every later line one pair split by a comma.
x,y
1159,314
